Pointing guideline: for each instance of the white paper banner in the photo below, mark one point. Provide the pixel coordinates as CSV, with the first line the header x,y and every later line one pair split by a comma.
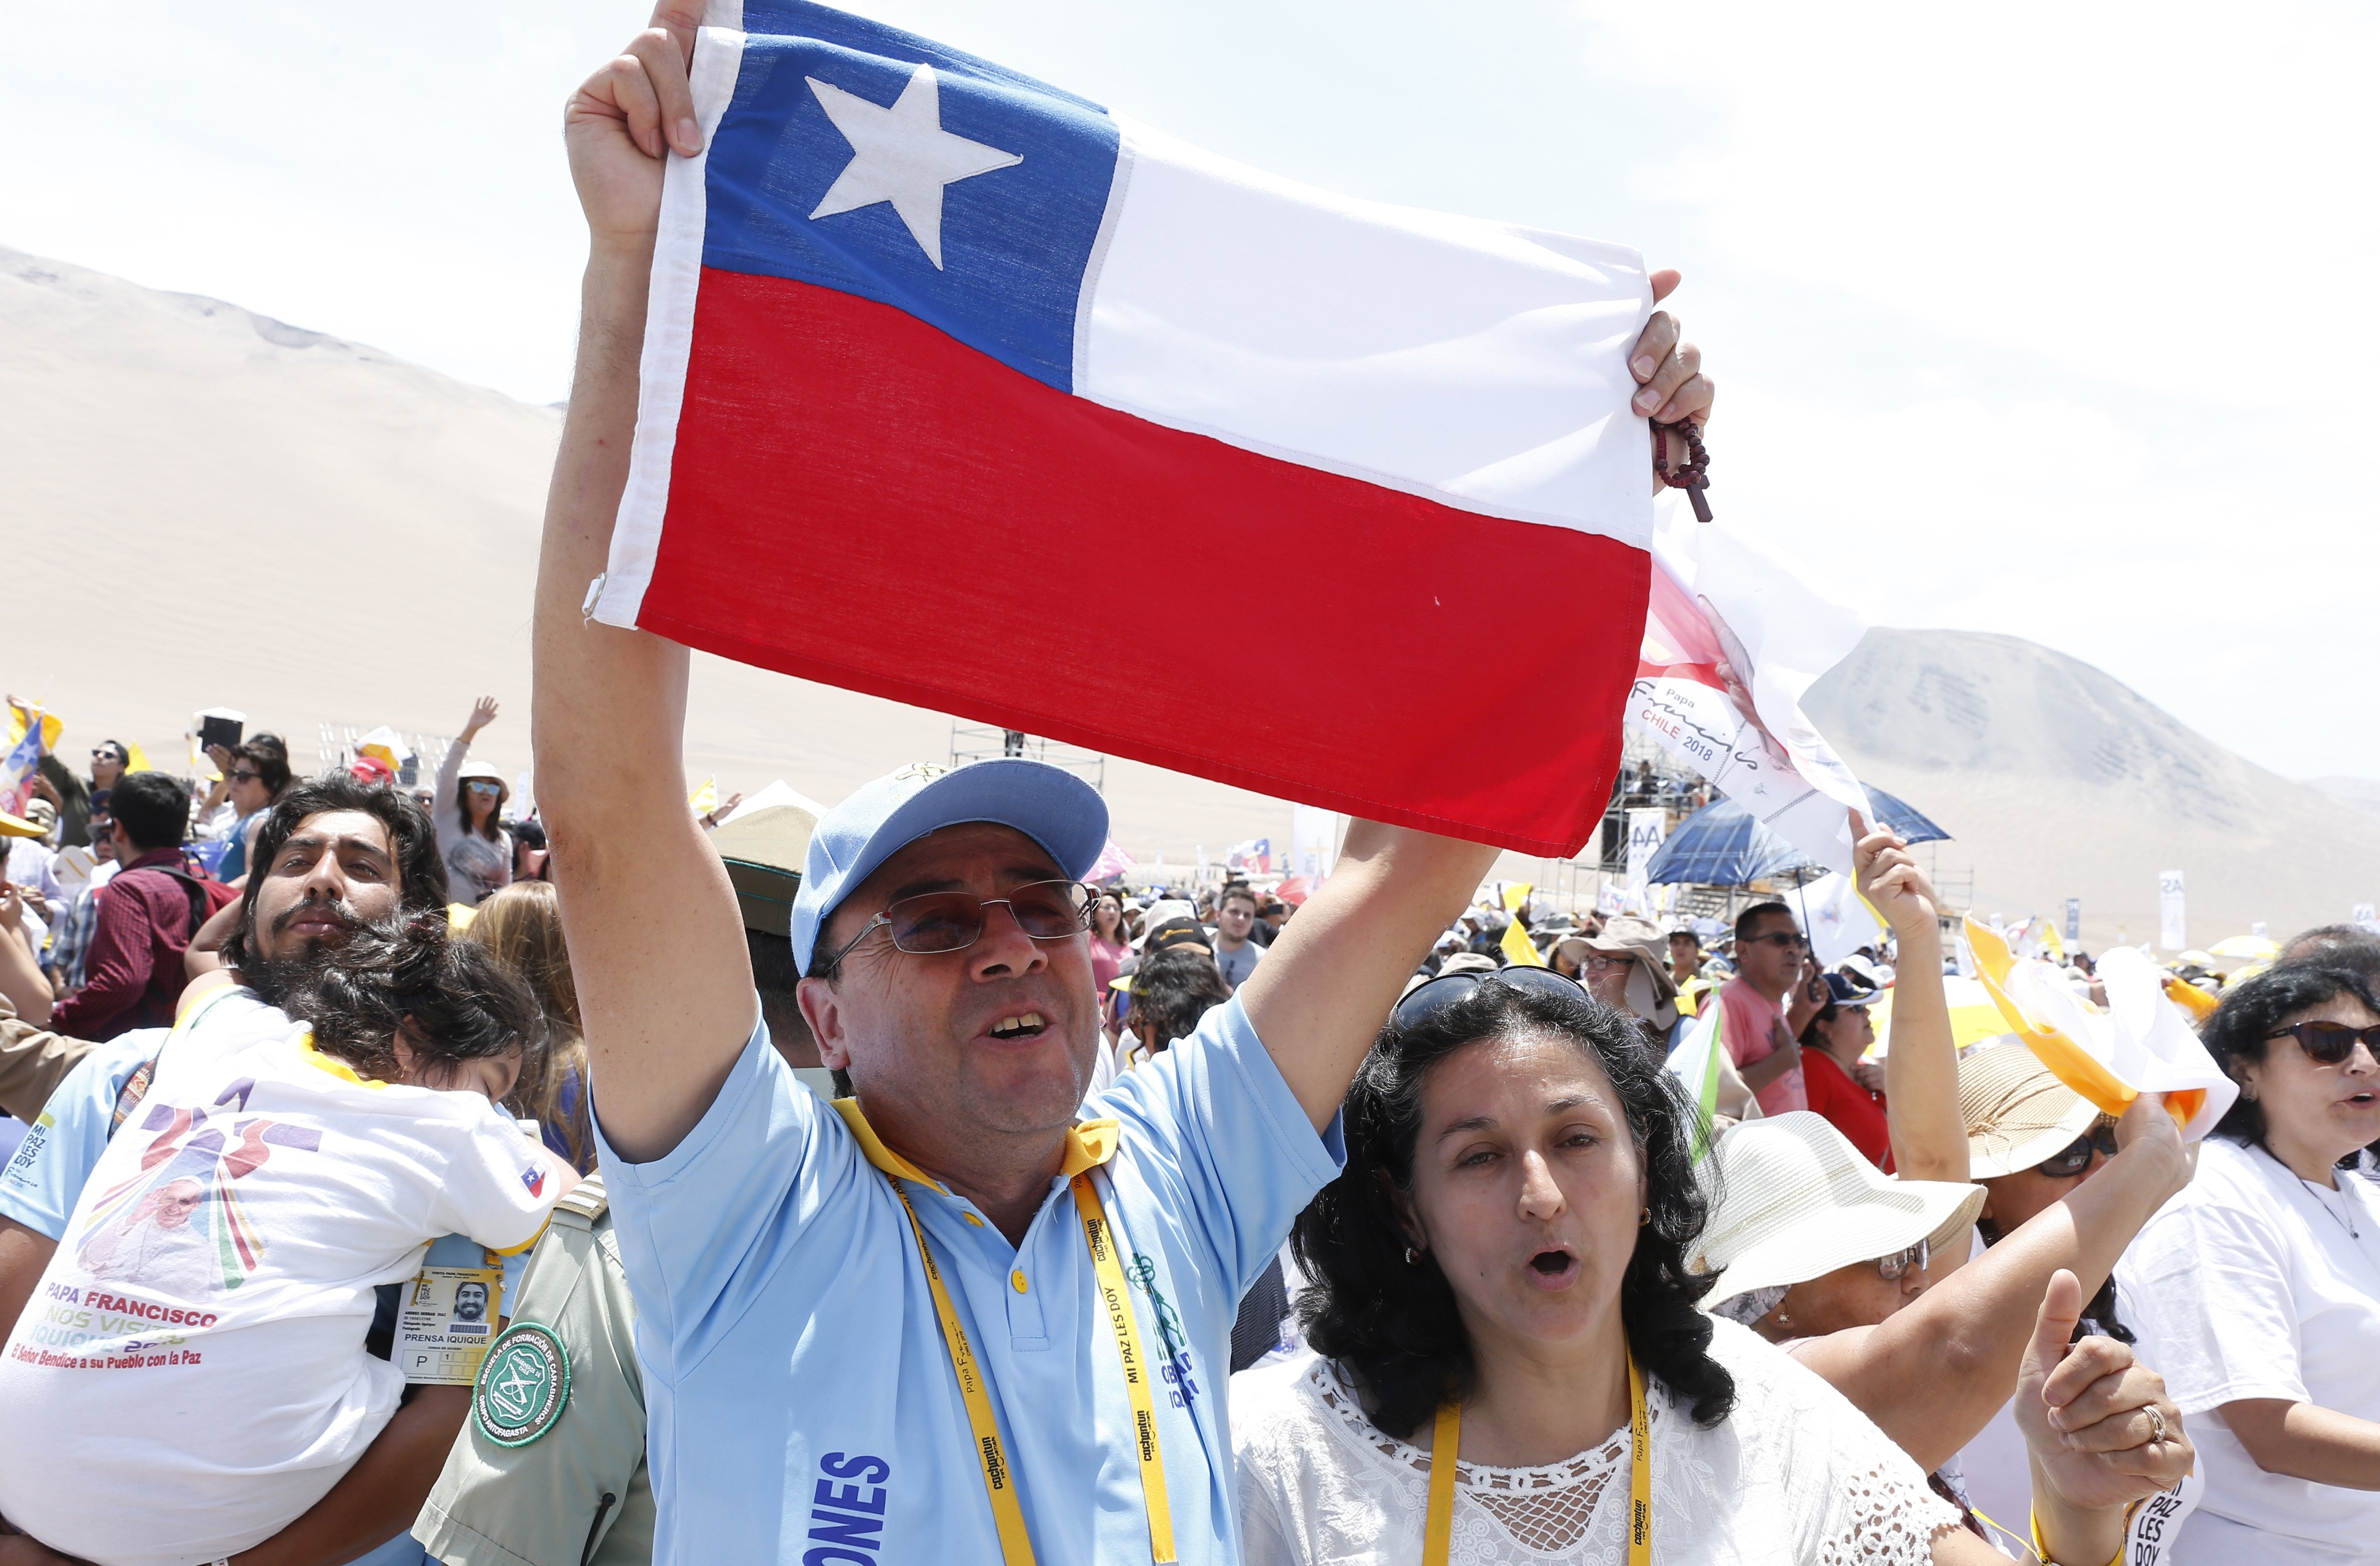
x,y
2173,932
1647,830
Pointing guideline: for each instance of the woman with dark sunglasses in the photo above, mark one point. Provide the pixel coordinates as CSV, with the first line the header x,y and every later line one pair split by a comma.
x,y
2257,1290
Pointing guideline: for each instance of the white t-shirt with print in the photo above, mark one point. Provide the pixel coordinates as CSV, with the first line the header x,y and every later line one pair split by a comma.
x,y
2252,1284
190,1376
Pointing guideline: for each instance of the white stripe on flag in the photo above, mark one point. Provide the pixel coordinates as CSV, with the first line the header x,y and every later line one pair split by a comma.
x,y
1481,365
669,325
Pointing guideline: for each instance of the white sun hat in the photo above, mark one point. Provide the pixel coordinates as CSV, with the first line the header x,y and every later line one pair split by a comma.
x,y
1796,1201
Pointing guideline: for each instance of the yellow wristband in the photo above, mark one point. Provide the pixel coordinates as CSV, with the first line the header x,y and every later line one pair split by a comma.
x,y
2033,1521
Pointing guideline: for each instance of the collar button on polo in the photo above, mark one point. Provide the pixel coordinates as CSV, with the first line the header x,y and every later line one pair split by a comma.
x,y
1016,1281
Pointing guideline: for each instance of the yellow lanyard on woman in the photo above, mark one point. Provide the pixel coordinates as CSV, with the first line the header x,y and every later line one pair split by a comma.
x,y
1438,1531
999,1483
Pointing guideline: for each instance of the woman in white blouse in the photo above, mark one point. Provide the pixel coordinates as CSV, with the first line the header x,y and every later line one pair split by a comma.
x,y
1499,1272
2257,1290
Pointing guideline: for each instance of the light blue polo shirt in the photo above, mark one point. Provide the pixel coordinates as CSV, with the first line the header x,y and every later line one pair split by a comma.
x,y
39,1186
800,1402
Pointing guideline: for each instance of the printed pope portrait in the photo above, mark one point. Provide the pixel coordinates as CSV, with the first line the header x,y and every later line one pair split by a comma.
x,y
179,1227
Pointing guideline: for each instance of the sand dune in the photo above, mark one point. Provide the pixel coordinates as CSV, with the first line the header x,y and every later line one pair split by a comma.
x,y
2060,781
204,506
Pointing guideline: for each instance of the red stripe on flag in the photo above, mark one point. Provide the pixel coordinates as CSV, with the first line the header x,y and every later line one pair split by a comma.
x,y
857,499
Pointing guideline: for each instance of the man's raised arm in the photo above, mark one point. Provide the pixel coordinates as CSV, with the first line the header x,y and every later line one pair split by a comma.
x,y
1320,995
656,943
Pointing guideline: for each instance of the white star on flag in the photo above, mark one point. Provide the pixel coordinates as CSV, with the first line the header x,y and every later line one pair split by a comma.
x,y
902,155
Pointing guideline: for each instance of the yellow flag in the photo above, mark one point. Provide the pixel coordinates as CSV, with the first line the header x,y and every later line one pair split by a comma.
x,y
18,724
135,758
705,799
2049,940
1519,950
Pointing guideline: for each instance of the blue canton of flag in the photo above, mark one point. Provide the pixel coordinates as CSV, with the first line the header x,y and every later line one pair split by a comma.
x,y
861,158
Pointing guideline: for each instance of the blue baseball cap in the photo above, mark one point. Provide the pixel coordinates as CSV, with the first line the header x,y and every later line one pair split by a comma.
x,y
1049,805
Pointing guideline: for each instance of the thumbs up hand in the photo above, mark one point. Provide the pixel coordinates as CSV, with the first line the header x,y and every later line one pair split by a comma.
x,y
2099,1428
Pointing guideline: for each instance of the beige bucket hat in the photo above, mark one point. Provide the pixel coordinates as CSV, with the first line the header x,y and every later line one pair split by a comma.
x,y
2017,1113
1796,1201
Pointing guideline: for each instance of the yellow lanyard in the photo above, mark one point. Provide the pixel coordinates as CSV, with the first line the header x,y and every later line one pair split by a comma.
x,y
1438,1531
1016,1544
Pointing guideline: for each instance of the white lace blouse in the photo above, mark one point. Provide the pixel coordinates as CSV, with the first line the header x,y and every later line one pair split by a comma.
x,y
1795,1475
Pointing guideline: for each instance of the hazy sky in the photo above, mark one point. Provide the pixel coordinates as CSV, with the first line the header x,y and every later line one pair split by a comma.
x,y
2042,319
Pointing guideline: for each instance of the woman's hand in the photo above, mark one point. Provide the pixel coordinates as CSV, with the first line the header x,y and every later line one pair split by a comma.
x,y
2099,1428
1889,878
483,712
221,757
2149,1131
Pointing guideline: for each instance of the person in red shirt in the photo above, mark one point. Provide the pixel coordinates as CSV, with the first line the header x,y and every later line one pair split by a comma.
x,y
133,973
1837,1078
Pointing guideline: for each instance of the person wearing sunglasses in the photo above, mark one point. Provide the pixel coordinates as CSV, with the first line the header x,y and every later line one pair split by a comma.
x,y
820,1288
1766,1013
472,837
2258,1289
255,773
2031,1142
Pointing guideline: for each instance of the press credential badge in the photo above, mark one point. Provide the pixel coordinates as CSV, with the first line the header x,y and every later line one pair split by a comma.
x,y
447,1321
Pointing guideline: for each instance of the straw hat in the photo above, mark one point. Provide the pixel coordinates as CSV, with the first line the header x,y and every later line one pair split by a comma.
x,y
1797,1201
2017,1113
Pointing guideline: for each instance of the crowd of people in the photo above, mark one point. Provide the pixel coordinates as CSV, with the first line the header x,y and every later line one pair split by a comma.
x,y
401,1177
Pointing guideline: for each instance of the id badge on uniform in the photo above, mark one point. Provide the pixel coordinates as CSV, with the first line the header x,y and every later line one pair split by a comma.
x,y
446,1322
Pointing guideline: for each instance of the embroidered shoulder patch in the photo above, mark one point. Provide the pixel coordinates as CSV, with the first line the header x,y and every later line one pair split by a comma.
x,y
523,1386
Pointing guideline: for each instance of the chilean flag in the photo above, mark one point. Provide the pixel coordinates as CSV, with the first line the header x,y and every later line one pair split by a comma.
x,y
946,372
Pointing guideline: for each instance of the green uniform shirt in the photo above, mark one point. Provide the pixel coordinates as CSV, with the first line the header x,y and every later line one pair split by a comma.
x,y
572,1493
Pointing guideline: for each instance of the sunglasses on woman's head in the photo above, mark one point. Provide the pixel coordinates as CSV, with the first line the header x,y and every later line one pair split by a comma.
x,y
940,922
2328,1043
2075,1157
1427,1000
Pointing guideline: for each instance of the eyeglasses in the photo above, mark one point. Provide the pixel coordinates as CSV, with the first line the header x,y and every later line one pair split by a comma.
x,y
941,922
2329,1043
1428,1000
2073,1158
1896,1266
1598,962
1774,938
485,787
245,777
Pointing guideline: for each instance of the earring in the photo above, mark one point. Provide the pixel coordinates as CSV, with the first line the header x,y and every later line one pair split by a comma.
x,y
1644,1216
1411,1259
1783,1319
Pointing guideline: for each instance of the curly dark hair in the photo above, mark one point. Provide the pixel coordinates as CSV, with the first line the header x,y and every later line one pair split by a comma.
x,y
454,999
2239,1032
1172,990
1396,1325
420,874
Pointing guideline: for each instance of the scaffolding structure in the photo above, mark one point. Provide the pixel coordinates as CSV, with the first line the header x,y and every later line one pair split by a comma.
x,y
973,743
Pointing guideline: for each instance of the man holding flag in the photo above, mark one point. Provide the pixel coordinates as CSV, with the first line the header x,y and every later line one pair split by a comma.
x,y
902,1324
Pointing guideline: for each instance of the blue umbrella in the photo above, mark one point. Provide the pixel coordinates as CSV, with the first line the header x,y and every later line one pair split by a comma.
x,y
1721,844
